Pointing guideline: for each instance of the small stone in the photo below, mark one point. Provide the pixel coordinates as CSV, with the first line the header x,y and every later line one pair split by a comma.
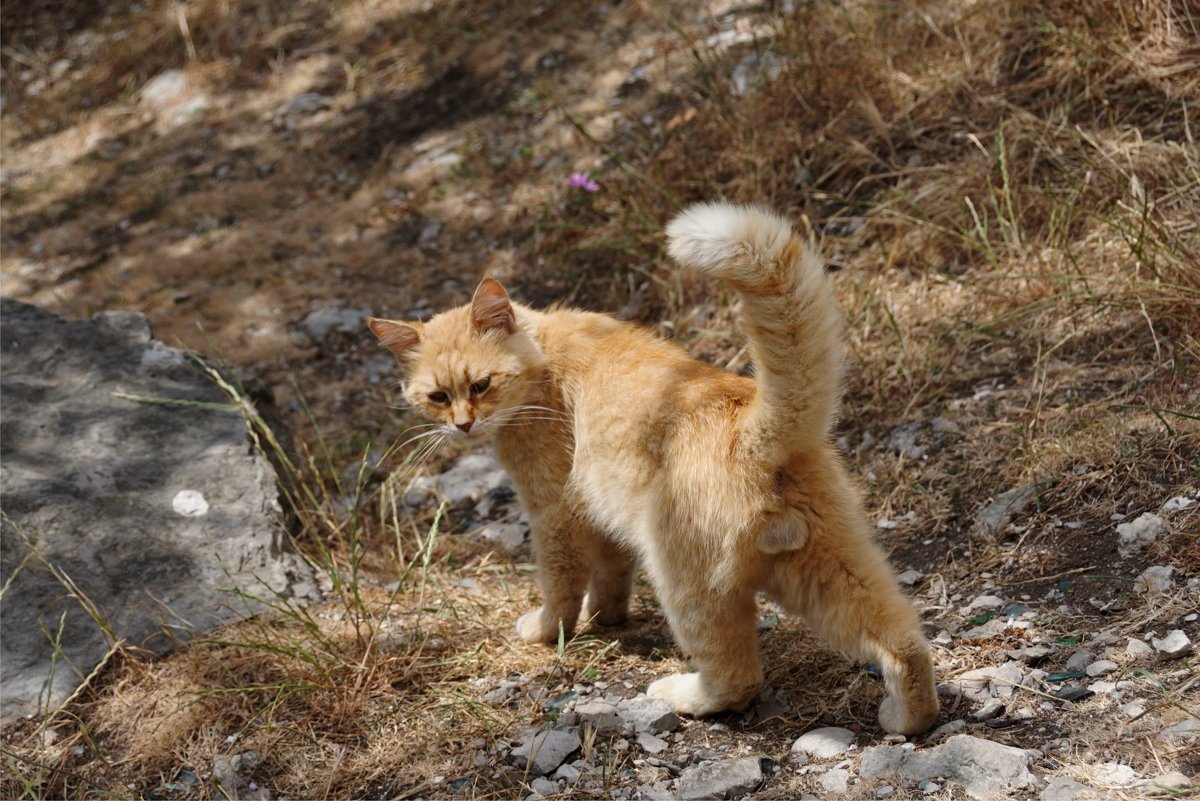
x,y
1100,667
836,780
985,769
1172,780
189,503
304,104
544,786
947,729
1173,646
568,773
1177,503
984,602
1113,774
992,709
1154,580
885,791
1132,710
929,787
646,714
1138,648
1031,654
601,716
995,516
1138,533
824,743
544,751
723,779
509,535
1102,687
909,577
651,744
1062,788
989,630
1080,660
1185,730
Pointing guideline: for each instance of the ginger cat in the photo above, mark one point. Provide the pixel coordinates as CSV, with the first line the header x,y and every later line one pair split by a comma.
x,y
625,450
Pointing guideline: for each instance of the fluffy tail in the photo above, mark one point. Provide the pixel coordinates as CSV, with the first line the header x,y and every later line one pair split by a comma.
x,y
791,317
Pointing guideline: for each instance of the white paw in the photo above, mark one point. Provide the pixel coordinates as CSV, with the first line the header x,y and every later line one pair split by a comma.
x,y
896,718
684,692
535,627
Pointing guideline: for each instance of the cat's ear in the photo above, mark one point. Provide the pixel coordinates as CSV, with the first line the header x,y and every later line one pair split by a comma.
x,y
491,309
399,337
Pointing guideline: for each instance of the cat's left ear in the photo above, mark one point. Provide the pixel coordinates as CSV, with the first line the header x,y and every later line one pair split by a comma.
x,y
491,309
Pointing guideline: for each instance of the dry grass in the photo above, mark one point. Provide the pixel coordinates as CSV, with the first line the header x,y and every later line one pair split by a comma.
x,y
1008,191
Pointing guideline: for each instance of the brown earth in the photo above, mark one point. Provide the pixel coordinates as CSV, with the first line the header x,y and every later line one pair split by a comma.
x,y
1008,193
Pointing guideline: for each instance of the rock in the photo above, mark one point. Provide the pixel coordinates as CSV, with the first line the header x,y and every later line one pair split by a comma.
x,y
1176,504
165,89
319,323
1137,534
568,773
1172,646
646,714
1031,654
984,602
983,768
909,577
651,744
903,439
507,535
884,791
983,684
1170,781
304,104
1138,648
1113,774
232,774
1132,710
1080,660
543,786
472,478
1154,580
835,780
1062,788
995,516
824,743
947,729
544,751
92,483
728,778
992,709
1101,667
601,716
989,630
1185,730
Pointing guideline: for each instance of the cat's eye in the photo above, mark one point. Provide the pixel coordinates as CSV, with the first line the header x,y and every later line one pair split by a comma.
x,y
440,398
481,386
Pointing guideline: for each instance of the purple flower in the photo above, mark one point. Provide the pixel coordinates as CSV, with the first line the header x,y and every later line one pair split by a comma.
x,y
583,180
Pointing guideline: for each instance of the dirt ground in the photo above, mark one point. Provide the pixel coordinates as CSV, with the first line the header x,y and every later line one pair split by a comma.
x,y
1008,198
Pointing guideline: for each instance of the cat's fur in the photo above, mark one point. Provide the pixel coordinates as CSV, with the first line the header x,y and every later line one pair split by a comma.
x,y
625,449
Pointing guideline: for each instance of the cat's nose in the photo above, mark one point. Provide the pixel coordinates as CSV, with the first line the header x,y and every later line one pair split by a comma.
x,y
465,426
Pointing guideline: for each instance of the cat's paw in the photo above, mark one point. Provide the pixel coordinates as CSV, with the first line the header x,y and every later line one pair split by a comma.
x,y
685,693
533,627
895,717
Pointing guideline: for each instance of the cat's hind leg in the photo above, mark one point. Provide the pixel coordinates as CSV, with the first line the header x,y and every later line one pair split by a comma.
x,y
845,591
718,630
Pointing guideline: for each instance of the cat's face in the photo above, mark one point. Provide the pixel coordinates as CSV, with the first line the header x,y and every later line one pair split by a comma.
x,y
469,369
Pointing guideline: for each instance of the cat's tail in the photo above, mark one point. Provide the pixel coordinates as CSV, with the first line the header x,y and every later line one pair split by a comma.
x,y
790,314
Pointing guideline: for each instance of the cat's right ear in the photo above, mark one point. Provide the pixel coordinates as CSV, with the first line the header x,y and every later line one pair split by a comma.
x,y
491,309
399,337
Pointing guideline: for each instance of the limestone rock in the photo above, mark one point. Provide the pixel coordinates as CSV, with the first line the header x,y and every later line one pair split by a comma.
x,y
649,715
1174,645
983,768
154,511
727,778
824,743
1138,533
542,752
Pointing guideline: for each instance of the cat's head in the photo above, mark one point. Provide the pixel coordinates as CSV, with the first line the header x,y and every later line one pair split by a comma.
x,y
471,368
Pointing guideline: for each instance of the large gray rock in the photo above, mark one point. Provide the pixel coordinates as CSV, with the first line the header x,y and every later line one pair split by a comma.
x,y
152,511
727,778
985,769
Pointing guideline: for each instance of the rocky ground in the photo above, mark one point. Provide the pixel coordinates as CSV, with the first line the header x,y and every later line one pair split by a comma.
x,y
1006,194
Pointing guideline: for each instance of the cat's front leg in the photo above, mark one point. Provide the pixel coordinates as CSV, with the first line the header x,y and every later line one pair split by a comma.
x,y
562,575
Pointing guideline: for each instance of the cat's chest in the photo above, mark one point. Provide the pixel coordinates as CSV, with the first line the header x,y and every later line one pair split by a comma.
x,y
538,457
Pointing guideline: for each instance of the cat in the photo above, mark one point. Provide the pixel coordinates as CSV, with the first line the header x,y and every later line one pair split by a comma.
x,y
625,450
